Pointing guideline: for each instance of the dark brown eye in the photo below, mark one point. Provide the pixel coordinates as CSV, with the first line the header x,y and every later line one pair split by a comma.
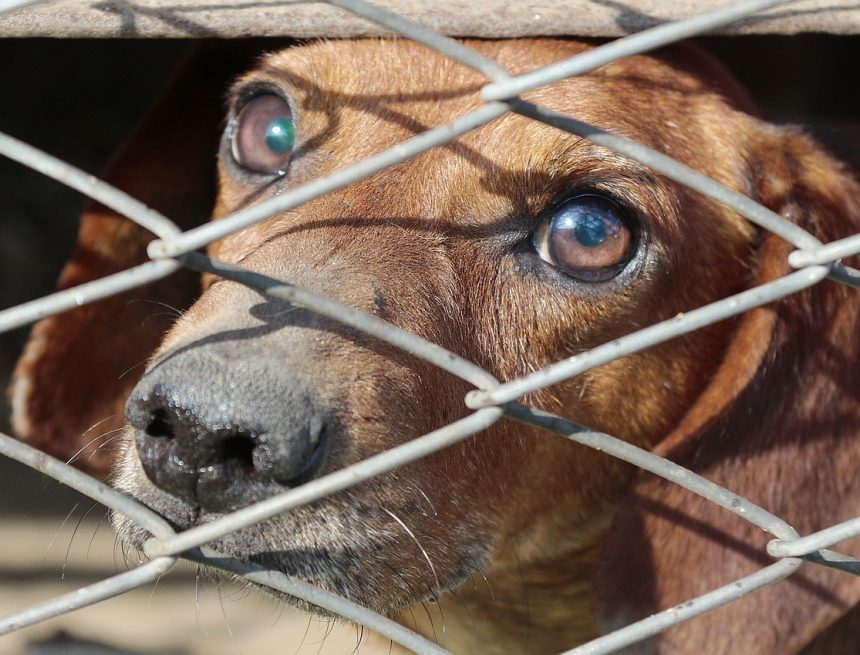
x,y
264,135
586,237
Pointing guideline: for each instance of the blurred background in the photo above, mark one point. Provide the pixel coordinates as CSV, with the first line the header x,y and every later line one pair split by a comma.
x,y
76,99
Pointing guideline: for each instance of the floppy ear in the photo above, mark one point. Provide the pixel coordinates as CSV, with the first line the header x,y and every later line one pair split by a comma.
x,y
71,382
778,425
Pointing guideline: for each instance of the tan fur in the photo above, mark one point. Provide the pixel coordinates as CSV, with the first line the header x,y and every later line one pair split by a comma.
x,y
537,544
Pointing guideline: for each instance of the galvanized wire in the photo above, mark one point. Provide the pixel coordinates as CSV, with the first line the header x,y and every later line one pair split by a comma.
x,y
87,184
647,337
805,545
206,234
657,623
319,597
490,399
635,44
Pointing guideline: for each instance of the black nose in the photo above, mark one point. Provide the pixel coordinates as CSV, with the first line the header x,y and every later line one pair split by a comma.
x,y
223,435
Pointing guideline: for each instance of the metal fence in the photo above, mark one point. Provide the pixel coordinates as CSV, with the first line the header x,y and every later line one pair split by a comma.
x,y
491,400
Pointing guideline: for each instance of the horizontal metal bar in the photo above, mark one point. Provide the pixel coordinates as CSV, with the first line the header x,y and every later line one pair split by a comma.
x,y
382,330
829,252
201,236
654,464
319,597
327,485
85,484
88,185
816,541
442,44
89,595
653,625
674,170
627,46
83,294
648,337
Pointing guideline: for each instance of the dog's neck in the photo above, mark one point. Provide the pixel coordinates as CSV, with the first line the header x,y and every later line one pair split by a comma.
x,y
540,605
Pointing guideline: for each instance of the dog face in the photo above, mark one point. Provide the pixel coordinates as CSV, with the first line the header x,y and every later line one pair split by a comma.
x,y
516,246
474,247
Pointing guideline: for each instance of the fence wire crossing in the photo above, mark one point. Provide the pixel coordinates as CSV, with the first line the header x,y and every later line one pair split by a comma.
x,y
491,400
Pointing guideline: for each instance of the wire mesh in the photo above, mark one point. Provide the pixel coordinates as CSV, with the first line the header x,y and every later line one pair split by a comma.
x,y
491,400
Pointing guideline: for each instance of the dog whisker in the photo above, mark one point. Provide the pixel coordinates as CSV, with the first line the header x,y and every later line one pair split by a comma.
x,y
304,635
233,640
98,525
173,310
57,531
131,368
433,634
72,539
115,432
104,445
466,609
417,543
200,629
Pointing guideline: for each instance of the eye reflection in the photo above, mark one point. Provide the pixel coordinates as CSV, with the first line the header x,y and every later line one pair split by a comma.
x,y
281,135
586,238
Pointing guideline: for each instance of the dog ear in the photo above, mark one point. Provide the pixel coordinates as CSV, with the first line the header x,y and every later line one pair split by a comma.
x,y
776,425
77,368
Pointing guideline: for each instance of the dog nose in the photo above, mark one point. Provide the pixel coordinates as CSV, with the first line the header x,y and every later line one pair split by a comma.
x,y
223,436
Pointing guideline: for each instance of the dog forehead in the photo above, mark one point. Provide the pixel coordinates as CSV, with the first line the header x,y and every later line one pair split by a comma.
x,y
354,98
334,75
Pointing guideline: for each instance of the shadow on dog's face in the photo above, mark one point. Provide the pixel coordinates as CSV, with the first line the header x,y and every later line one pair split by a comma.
x,y
515,246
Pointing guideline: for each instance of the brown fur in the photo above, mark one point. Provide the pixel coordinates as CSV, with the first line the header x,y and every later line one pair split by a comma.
x,y
537,544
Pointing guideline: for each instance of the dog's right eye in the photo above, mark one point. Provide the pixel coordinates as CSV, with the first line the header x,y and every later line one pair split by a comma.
x,y
264,135
587,238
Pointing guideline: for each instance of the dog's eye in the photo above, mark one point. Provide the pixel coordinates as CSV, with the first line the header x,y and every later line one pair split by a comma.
x,y
586,237
264,135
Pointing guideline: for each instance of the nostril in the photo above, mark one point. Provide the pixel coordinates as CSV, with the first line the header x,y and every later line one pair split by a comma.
x,y
239,448
159,425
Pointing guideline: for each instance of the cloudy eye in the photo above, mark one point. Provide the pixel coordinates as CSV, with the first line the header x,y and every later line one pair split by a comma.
x,y
264,135
586,237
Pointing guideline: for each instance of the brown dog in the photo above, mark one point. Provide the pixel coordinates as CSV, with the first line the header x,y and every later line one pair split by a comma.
x,y
515,246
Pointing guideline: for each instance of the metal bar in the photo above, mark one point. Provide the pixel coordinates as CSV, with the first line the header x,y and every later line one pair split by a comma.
x,y
83,294
654,464
442,44
89,595
85,484
627,46
816,541
319,597
815,260
88,185
826,254
205,234
674,170
647,337
327,485
653,625
382,330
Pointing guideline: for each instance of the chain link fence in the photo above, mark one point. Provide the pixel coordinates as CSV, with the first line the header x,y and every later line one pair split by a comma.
x,y
491,400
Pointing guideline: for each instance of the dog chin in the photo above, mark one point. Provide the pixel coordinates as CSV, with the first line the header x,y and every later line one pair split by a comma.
x,y
331,545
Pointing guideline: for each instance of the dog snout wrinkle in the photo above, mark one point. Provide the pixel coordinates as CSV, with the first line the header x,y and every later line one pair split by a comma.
x,y
222,435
